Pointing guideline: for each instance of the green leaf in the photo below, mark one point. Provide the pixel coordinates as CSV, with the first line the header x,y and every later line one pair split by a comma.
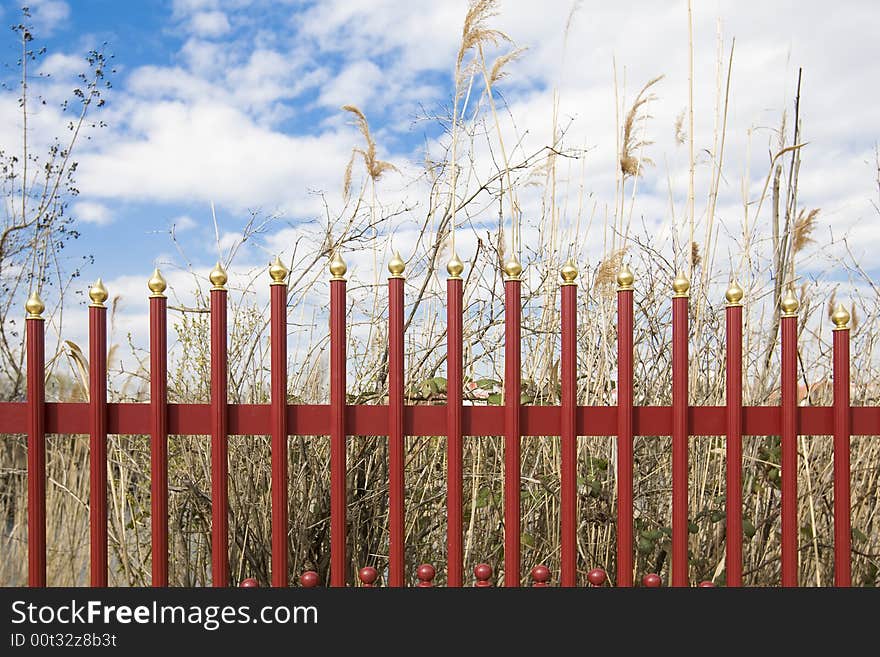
x,y
645,546
652,534
527,539
494,398
487,384
692,527
859,535
748,528
716,516
483,496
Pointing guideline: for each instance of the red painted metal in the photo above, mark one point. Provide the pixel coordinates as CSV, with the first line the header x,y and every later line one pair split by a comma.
x,y
425,575
454,441
249,583
98,445
706,585
278,340
597,577
652,581
396,493
219,442
733,502
364,420
483,575
842,429
338,560
159,438
368,576
680,434
512,432
35,328
625,563
540,576
309,579
568,436
789,436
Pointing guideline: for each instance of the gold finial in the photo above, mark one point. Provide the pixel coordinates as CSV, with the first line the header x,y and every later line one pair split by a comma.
x,y
455,266
734,294
568,272
278,272
98,294
157,284
840,317
35,306
512,269
337,267
218,277
625,278
680,286
789,303
396,265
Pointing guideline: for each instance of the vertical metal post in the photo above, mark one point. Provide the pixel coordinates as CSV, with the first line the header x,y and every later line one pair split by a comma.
x,y
568,430
625,427
733,500
219,432
98,434
36,440
842,431
681,288
278,339
159,427
338,540
396,493
789,440
454,444
512,391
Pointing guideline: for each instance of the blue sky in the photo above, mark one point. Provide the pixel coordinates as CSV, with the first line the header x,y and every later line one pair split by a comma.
x,y
237,102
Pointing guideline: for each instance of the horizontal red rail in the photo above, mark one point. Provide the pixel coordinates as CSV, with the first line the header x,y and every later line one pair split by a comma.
x,y
369,420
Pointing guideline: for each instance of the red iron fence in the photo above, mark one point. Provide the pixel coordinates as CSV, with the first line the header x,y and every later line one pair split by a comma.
x,y
280,420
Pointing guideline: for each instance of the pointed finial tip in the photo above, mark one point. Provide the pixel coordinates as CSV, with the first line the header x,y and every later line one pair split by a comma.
x,y
513,269
396,265
218,277
157,284
840,317
277,271
568,272
34,306
681,285
98,294
337,267
455,266
734,294
789,303
625,278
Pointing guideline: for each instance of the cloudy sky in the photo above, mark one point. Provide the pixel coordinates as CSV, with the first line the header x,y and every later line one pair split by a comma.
x,y
237,102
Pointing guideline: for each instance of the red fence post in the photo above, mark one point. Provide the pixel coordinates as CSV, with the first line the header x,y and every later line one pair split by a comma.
x,y
789,440
219,432
680,288
425,574
625,427
842,430
483,573
733,500
159,427
454,444
568,430
36,439
98,434
338,563
278,339
512,392
396,492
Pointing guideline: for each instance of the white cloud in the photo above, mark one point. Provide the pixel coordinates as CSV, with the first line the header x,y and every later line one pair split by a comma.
x,y
92,213
210,24
183,223
356,84
47,15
